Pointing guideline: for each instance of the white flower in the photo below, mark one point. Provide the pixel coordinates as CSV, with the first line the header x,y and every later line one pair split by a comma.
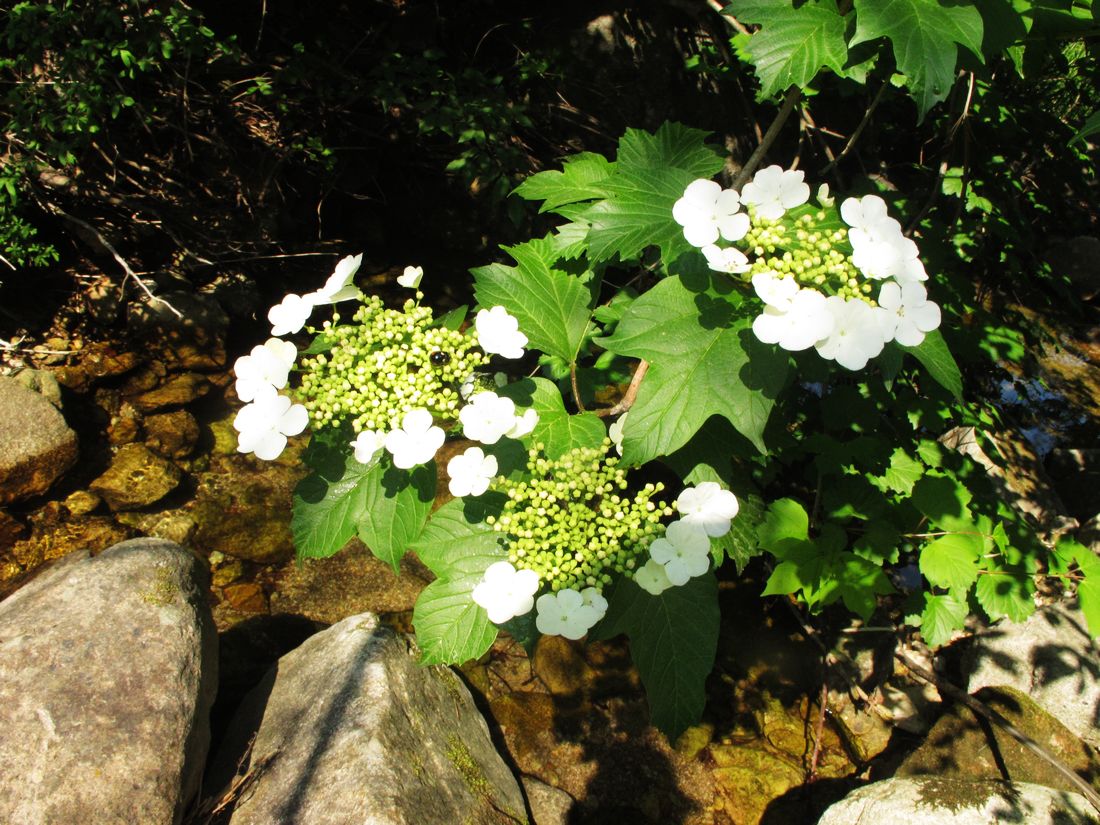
x,y
729,260
505,592
410,278
911,313
594,599
290,315
524,424
775,190
775,291
684,550
268,365
857,336
339,287
864,215
498,333
416,442
651,577
471,472
615,432
706,211
367,444
823,196
565,613
805,322
263,425
488,417
708,507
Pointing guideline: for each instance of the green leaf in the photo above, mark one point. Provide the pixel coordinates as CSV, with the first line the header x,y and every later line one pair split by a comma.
x,y
860,581
879,543
792,43
942,499
552,306
935,357
455,543
557,430
785,519
673,639
452,319
942,616
903,472
740,544
1006,592
673,145
925,35
951,561
703,361
393,507
1089,128
450,627
326,508
577,181
1088,588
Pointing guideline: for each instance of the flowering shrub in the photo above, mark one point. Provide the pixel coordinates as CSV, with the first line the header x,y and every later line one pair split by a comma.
x,y
560,523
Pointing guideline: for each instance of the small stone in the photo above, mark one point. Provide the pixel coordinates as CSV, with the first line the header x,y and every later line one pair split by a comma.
x,y
125,426
175,392
247,597
195,341
173,434
42,382
39,447
227,572
102,361
82,502
549,805
137,477
560,664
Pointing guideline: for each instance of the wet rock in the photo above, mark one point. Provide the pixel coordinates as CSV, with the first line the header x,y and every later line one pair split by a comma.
x,y
137,477
1051,658
560,664
107,674
248,597
548,805
227,571
351,729
103,361
192,340
173,434
936,801
174,392
42,382
171,525
38,446
145,379
82,502
125,425
10,529
50,539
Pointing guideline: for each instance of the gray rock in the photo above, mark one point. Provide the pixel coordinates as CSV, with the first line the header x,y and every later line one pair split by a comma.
x,y
549,805
350,729
1051,658
36,445
107,674
939,801
137,477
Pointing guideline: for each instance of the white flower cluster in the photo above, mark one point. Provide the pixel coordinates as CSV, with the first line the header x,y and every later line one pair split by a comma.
x,y
264,424
814,303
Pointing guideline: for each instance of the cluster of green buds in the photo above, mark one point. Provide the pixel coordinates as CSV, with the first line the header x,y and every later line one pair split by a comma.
x,y
388,362
575,523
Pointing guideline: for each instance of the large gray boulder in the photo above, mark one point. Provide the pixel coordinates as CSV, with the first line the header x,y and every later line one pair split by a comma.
x,y
107,674
1051,658
351,729
940,801
36,445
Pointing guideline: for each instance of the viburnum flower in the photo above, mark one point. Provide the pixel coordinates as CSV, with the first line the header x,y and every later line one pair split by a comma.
x,y
339,287
775,291
823,196
857,336
651,577
267,365
524,424
615,432
594,599
774,190
684,550
706,210
911,313
498,333
505,592
730,260
565,613
416,442
488,417
290,315
471,472
867,217
263,425
708,507
805,322
367,444
411,277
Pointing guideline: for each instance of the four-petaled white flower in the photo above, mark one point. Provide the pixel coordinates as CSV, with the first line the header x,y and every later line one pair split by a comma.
x,y
524,425
775,291
498,333
774,190
471,472
684,550
615,432
505,592
708,507
339,287
910,312
565,613
263,425
488,417
416,442
268,365
806,321
594,599
367,444
729,260
290,315
858,333
651,577
410,278
706,210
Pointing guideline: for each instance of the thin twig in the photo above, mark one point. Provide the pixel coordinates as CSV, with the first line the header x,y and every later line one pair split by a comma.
x,y
820,729
859,129
792,97
576,387
729,18
9,263
983,710
627,401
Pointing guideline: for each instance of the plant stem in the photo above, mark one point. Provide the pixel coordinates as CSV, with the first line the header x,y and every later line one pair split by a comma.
x,y
630,395
792,97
